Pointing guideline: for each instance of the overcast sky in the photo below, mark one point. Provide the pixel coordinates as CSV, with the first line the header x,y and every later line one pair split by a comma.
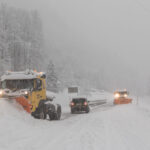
x,y
114,34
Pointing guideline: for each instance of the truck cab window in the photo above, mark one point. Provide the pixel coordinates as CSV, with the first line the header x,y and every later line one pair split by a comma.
x,y
38,84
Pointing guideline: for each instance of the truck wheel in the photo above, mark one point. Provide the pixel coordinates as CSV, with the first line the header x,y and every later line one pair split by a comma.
x,y
87,111
72,111
58,113
51,116
42,114
41,111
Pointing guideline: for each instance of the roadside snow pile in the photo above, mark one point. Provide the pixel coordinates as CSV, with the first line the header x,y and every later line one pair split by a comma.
x,y
10,110
101,97
64,98
97,96
8,107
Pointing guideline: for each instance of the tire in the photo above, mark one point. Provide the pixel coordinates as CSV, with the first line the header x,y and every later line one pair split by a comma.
x,y
40,113
51,116
87,110
58,113
72,111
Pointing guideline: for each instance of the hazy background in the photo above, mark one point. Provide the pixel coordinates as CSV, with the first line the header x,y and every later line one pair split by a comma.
x,y
110,38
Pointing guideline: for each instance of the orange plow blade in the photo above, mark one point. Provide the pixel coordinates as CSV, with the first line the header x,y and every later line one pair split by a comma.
x,y
123,101
24,102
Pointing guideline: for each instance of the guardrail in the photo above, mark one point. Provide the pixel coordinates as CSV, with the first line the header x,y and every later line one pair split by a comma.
x,y
97,102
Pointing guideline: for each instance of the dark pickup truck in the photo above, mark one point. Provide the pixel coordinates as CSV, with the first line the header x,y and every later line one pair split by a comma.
x,y
79,105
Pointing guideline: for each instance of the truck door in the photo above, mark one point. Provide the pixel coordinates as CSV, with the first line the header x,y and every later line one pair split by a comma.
x,y
39,90
37,94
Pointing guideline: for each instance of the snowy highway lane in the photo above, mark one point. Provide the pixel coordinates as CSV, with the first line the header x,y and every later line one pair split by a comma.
x,y
123,127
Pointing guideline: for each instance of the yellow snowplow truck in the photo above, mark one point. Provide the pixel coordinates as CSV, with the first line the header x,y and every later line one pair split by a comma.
x,y
29,90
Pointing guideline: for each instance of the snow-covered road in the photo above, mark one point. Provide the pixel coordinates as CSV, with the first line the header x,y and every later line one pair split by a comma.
x,y
107,127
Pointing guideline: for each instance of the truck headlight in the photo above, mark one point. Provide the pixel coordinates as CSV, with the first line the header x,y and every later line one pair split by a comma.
x,y
1,92
125,95
117,95
26,92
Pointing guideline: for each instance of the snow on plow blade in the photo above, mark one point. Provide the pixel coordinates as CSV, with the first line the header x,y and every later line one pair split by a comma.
x,y
123,101
24,102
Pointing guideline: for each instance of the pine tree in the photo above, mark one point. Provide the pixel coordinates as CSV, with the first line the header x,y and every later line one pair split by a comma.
x,y
52,80
21,39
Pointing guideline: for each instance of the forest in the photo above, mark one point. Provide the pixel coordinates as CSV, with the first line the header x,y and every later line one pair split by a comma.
x,y
21,39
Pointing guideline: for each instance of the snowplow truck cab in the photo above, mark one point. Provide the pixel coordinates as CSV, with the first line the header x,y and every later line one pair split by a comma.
x,y
29,90
121,97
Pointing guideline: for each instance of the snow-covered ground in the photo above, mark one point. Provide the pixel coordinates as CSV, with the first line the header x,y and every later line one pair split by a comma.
x,y
107,127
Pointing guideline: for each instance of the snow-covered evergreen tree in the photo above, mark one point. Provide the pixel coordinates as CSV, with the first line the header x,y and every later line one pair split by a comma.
x,y
52,80
21,39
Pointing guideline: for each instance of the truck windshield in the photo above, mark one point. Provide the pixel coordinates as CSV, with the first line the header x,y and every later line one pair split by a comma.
x,y
122,93
17,84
